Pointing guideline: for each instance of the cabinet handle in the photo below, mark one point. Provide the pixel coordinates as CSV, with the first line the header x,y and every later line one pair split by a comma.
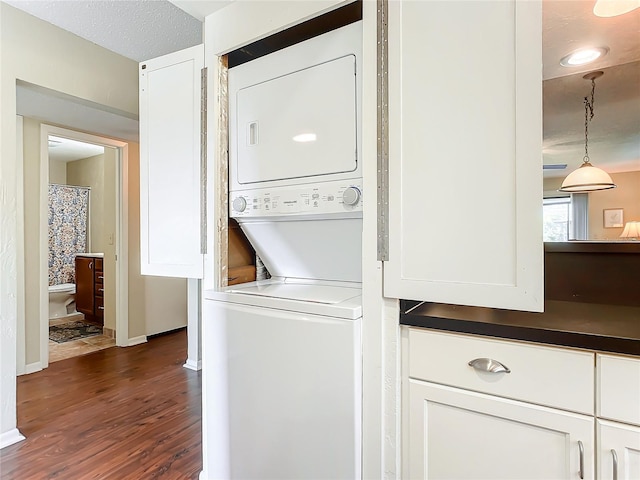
x,y
615,464
90,265
488,365
100,308
100,277
581,447
101,290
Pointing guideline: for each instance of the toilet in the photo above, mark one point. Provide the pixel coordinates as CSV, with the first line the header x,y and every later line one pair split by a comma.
x,y
62,300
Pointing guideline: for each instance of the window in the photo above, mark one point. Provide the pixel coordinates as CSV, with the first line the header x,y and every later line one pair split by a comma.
x,y
556,217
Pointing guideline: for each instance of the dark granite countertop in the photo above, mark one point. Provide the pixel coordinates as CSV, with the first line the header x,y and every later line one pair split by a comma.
x,y
607,328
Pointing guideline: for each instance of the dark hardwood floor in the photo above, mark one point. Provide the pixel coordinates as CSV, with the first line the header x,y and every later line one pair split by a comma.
x,y
120,413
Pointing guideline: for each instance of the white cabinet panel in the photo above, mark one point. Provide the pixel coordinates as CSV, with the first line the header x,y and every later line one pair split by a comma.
x,y
618,382
618,451
170,164
465,172
455,434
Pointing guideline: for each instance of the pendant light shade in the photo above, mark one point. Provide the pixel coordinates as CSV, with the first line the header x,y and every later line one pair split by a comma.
x,y
587,178
612,8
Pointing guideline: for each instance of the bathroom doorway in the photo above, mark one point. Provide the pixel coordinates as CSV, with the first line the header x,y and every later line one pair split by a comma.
x,y
84,165
82,224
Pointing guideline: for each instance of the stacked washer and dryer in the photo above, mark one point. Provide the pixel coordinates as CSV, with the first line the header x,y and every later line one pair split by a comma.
x,y
282,358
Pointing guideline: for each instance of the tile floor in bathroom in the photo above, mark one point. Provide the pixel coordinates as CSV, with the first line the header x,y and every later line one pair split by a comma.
x,y
74,348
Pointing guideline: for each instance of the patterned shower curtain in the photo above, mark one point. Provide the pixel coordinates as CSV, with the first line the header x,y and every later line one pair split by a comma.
x,y
68,220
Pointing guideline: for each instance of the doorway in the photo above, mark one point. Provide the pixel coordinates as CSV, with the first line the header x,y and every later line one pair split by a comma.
x,y
81,250
113,242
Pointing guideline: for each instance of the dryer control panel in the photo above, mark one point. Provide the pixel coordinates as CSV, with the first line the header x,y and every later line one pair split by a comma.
x,y
325,198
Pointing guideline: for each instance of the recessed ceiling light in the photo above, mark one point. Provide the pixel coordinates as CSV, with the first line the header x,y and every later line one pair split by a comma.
x,y
583,56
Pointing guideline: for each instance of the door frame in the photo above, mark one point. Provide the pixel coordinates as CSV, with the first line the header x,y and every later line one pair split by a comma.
x,y
121,234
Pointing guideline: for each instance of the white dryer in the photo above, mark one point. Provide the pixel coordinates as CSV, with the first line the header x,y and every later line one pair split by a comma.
x,y
282,358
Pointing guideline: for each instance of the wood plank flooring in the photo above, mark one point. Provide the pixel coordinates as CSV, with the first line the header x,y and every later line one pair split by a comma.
x,y
121,413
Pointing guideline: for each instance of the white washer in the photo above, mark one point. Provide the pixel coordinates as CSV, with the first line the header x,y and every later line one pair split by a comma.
x,y
282,358
287,358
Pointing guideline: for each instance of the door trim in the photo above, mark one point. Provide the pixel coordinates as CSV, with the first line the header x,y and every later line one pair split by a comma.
x,y
122,219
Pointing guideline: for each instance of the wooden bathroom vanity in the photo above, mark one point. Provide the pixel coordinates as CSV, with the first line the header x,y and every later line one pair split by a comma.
x,y
90,287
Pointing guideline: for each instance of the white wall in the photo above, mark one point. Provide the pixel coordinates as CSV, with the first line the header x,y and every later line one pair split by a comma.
x,y
57,172
90,172
36,52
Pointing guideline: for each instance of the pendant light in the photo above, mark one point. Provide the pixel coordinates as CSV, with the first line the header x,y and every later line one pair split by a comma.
x,y
588,178
612,8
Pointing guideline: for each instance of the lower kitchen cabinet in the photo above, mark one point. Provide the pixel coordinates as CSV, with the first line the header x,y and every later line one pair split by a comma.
x,y
618,451
484,408
460,434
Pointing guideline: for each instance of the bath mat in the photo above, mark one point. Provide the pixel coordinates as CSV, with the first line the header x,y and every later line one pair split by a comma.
x,y
72,331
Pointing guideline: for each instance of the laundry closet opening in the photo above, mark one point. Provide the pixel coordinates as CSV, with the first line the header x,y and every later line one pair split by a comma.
x,y
243,263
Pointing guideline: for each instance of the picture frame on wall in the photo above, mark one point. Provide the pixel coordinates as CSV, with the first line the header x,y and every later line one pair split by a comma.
x,y
613,217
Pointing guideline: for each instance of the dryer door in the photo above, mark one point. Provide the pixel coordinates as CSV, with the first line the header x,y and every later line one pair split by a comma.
x,y
298,125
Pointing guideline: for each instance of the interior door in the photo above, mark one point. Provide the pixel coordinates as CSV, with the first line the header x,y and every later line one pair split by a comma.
x,y
465,167
171,186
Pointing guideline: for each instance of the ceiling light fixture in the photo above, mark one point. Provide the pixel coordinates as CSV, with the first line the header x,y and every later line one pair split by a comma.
x,y
587,178
583,56
612,8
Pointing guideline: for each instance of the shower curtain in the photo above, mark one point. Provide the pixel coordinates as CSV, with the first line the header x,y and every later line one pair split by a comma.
x,y
68,224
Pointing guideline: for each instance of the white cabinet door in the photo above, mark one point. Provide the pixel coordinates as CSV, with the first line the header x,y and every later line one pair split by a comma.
x,y
465,167
170,164
618,451
458,434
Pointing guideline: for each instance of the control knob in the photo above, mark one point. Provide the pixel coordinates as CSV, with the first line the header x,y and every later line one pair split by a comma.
x,y
239,204
351,196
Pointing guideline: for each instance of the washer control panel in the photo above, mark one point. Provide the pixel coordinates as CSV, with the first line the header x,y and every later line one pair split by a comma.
x,y
324,198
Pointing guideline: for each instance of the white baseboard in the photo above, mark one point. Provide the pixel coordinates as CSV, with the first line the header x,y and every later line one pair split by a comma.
x,y
193,365
10,437
32,367
137,340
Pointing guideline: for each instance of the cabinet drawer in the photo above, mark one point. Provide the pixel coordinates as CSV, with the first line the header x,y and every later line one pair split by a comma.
x,y
99,302
618,393
99,262
99,290
99,276
550,376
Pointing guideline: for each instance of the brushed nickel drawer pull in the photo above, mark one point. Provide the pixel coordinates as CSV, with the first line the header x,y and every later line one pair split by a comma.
x,y
581,447
488,365
100,308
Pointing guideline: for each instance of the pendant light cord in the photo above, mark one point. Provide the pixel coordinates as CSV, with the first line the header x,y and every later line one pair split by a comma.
x,y
588,116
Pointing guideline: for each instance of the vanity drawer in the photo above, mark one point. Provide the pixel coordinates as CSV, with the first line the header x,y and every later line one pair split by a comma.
x,y
99,262
551,376
99,302
618,388
99,276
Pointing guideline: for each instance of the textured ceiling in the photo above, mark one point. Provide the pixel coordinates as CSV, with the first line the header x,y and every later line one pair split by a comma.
x,y
136,29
